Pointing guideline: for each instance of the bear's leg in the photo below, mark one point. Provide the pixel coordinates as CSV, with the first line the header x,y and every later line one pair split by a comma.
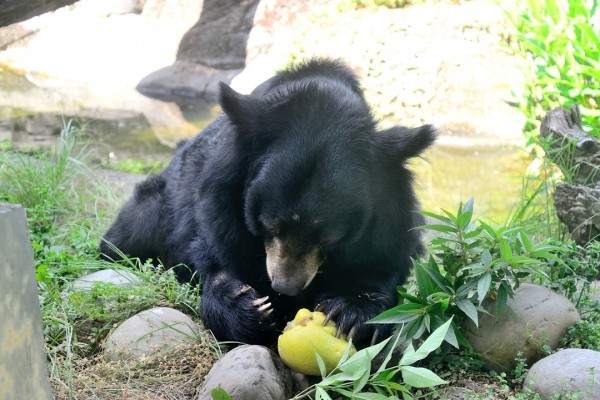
x,y
234,311
138,231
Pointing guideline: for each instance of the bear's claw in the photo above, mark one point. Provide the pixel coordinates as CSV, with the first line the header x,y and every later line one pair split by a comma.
x,y
263,307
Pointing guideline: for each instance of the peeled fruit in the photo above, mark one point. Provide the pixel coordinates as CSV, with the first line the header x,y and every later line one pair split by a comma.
x,y
305,336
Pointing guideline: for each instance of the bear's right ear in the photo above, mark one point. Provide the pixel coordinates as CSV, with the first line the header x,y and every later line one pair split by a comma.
x,y
399,143
242,110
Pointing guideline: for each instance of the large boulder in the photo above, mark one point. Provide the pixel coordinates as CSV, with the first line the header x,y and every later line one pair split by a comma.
x,y
159,329
535,317
567,372
116,278
249,373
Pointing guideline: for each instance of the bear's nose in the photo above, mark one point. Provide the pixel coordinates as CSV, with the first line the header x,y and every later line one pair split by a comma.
x,y
284,287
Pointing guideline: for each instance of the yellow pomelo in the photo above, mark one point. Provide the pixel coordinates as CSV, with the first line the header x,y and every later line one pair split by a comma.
x,y
305,336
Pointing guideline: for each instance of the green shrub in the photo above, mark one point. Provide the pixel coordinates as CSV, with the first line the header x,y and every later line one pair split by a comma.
x,y
43,183
561,41
470,262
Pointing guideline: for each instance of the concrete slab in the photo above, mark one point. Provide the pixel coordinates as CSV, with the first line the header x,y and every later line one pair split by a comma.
x,y
23,371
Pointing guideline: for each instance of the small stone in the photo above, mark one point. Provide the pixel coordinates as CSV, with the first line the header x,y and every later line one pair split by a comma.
x,y
249,373
156,330
117,278
567,372
534,317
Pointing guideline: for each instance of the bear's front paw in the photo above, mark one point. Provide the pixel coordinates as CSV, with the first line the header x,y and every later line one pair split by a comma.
x,y
262,306
350,315
235,312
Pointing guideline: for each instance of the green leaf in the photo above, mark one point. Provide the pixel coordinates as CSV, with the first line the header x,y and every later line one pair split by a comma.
x,y
451,217
465,289
486,257
501,299
468,207
364,378
425,284
439,303
442,283
403,313
436,216
219,394
415,328
451,337
465,215
469,309
355,367
390,353
420,377
472,233
321,365
505,250
432,343
483,286
406,296
439,228
362,358
322,394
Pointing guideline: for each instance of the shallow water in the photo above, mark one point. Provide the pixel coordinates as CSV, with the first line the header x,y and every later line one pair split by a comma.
x,y
448,175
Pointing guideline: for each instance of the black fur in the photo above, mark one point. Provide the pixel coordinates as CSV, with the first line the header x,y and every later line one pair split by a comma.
x,y
297,166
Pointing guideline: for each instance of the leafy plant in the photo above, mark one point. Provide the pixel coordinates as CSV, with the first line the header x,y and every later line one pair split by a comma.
x,y
560,39
470,262
573,277
584,334
43,184
353,379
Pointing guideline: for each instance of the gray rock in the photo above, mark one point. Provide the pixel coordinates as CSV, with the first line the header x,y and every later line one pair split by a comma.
x,y
117,278
577,154
186,82
534,317
159,329
578,207
566,372
248,373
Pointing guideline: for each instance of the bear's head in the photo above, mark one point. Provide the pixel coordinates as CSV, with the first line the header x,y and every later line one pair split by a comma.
x,y
317,172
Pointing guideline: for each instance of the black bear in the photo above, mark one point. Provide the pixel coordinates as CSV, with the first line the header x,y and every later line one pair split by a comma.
x,y
291,198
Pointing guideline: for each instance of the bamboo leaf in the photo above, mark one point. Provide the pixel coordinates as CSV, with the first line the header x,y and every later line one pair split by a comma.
x,y
469,309
420,377
432,343
483,286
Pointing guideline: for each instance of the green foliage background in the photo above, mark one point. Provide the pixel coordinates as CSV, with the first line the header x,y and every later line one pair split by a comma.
x,y
561,41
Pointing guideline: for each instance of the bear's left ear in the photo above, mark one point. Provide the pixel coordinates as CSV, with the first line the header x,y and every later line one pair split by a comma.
x,y
242,110
402,143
